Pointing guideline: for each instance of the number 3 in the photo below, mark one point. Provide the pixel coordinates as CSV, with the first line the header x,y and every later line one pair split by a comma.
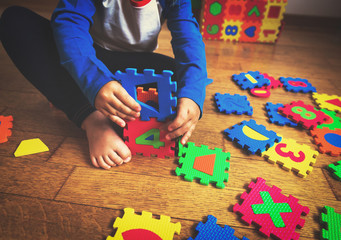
x,y
289,154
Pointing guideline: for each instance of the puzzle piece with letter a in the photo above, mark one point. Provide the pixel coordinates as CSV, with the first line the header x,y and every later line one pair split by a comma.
x,y
237,104
250,80
335,169
6,123
130,80
252,137
292,156
268,208
331,223
275,117
303,114
212,231
329,102
297,85
145,137
208,165
144,227
328,141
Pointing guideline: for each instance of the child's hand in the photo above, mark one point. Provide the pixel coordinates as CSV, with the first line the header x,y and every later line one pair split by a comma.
x,y
115,103
185,121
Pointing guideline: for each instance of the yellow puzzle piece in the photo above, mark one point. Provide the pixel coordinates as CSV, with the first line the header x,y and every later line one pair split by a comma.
x,y
133,226
30,146
329,102
292,156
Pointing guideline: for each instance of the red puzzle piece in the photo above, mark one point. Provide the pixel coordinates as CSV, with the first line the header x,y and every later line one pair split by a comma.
x,y
5,125
214,18
280,215
303,114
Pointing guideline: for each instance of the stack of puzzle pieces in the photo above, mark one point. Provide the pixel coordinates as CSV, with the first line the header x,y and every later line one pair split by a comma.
x,y
243,20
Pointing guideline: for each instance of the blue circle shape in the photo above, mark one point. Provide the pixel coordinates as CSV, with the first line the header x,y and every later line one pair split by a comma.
x,y
333,139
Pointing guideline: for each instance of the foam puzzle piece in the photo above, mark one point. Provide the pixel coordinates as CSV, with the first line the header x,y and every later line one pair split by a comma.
x,y
297,85
274,11
329,102
332,122
250,80
208,165
6,123
254,11
260,92
269,32
144,227
30,146
250,31
335,169
328,141
212,231
130,80
275,117
268,208
145,137
236,103
146,96
292,156
303,114
274,83
252,137
331,223
214,18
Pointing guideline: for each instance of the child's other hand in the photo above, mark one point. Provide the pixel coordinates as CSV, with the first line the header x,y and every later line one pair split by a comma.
x,y
185,121
115,103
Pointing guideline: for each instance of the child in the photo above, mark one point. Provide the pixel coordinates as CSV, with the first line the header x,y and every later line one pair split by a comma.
x,y
71,60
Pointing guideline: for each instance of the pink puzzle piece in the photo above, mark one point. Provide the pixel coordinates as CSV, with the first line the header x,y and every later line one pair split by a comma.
x,y
275,213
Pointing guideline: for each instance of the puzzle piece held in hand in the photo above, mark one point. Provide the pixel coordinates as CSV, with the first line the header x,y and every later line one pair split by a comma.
x,y
208,165
292,156
297,85
212,231
328,141
303,114
331,222
250,80
133,226
268,208
252,137
275,117
335,169
329,102
237,104
6,123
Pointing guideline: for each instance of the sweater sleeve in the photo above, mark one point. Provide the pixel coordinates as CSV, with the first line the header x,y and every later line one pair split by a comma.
x,y
189,51
71,21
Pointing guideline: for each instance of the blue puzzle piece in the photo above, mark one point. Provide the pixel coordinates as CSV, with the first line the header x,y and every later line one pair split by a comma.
x,y
275,117
250,80
165,87
211,231
233,104
252,137
297,85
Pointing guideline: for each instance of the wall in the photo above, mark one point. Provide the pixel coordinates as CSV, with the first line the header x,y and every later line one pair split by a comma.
x,y
325,8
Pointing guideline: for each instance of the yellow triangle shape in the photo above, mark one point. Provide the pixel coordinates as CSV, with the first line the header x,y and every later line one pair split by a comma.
x,y
30,146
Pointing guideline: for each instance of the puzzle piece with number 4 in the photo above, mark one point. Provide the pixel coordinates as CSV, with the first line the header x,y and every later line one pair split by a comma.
x,y
268,208
212,231
335,169
250,80
237,104
292,156
6,123
144,227
331,222
208,165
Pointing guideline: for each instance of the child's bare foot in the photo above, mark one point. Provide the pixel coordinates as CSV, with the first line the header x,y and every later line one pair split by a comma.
x,y
107,149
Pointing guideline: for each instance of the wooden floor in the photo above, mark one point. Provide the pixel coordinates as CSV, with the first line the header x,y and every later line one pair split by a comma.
x,y
59,195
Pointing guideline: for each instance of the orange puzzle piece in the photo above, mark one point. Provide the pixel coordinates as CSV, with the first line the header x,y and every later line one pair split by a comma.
x,y
5,125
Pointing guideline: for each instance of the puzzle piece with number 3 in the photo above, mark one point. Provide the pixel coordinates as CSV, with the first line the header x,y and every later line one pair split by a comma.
x,y
268,208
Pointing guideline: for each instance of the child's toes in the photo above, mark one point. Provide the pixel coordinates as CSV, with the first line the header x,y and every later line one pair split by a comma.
x,y
109,161
102,163
115,158
94,161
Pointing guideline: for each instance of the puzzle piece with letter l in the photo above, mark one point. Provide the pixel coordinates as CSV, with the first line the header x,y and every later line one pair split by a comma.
x,y
329,102
237,104
335,169
331,224
292,156
328,141
275,213
275,117
297,85
252,137
144,227
250,80
145,137
303,114
332,122
212,231
208,165
6,123
130,80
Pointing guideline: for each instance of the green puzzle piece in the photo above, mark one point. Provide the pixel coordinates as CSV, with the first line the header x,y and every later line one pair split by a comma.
x,y
335,169
333,222
194,166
